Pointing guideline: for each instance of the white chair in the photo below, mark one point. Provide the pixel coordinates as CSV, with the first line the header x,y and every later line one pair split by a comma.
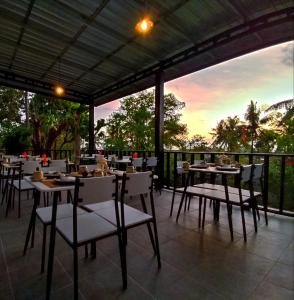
x,y
137,163
44,214
178,171
81,229
127,157
257,178
21,185
58,165
134,184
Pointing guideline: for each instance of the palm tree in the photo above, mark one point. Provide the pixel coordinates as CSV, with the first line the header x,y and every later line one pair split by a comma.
x,y
285,104
252,116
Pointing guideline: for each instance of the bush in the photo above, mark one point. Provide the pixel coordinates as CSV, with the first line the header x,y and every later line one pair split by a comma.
x,y
16,140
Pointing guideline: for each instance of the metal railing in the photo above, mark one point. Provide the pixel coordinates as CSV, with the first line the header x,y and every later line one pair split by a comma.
x,y
278,172
54,154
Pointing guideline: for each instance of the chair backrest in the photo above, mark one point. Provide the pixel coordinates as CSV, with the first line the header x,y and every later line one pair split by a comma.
x,y
137,162
246,173
126,157
58,165
151,161
137,183
97,189
257,171
198,161
180,168
30,166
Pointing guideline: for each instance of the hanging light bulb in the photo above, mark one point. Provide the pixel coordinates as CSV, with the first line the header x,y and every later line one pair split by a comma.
x,y
59,90
144,25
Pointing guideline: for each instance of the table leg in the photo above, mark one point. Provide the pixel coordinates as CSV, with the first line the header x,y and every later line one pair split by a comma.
x,y
51,246
184,195
32,220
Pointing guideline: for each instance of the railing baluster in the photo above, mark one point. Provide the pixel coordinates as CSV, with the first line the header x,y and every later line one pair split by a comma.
x,y
282,184
168,169
266,178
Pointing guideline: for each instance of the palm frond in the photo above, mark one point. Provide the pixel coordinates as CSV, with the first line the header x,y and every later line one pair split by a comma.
x,y
286,104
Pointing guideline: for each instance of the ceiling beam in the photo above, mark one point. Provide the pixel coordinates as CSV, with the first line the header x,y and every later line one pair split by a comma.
x,y
88,21
251,27
236,7
41,87
25,21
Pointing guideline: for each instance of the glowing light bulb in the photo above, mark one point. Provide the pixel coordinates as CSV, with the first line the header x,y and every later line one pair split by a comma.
x,y
144,25
59,90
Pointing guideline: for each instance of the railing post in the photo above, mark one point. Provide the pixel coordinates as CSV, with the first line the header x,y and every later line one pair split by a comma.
x,y
266,178
283,162
167,169
91,145
159,120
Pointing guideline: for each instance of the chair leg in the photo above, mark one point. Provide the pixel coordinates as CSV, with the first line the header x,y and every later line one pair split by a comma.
x,y
185,206
204,212
199,213
189,202
254,214
93,249
155,231
43,248
19,200
172,204
148,224
76,282
243,223
32,221
123,261
13,198
230,220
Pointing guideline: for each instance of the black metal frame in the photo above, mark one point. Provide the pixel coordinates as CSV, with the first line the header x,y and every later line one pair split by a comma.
x,y
154,240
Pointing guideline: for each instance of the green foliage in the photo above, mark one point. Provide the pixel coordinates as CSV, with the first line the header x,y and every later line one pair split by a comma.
x,y
227,134
16,139
197,143
11,106
132,125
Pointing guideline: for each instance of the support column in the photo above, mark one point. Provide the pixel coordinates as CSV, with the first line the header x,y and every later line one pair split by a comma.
x,y
159,119
91,146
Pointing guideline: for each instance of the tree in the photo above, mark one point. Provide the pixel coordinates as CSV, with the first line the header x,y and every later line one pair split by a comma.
x,y
288,105
252,117
132,125
11,106
197,143
227,134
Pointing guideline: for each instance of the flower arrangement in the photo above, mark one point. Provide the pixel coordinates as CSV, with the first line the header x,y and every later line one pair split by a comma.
x,y
224,160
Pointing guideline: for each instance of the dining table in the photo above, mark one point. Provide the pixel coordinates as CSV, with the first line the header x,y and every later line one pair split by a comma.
x,y
224,171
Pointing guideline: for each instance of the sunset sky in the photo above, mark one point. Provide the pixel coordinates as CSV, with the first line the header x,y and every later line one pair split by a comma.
x,y
265,76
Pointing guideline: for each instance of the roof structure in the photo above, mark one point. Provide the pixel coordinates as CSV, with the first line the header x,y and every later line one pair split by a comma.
x,y
92,49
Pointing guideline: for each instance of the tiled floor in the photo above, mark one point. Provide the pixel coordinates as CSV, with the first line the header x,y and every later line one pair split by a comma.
x,y
196,264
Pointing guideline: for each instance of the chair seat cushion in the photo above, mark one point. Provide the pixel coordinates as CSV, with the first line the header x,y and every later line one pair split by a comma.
x,y
24,185
97,206
90,226
63,211
132,216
